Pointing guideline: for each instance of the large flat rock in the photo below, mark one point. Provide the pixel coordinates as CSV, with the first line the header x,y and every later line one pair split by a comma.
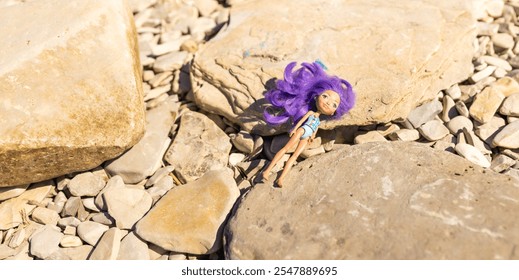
x,y
70,87
399,200
397,54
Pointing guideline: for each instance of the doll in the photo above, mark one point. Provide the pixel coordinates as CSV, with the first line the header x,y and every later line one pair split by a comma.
x,y
302,97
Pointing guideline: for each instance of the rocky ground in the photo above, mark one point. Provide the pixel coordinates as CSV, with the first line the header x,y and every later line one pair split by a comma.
x,y
117,210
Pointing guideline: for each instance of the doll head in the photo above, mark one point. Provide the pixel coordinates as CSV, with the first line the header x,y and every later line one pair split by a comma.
x,y
306,89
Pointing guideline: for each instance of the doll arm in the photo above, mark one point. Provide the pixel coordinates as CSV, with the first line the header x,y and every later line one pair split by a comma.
x,y
300,122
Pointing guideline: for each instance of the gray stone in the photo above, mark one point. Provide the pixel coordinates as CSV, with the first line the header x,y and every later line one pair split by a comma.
x,y
114,182
405,135
489,130
244,142
458,123
510,106
424,113
161,188
133,248
145,157
158,175
501,163
45,241
508,137
86,184
51,128
199,146
91,232
433,130
108,246
69,221
72,206
127,205
451,210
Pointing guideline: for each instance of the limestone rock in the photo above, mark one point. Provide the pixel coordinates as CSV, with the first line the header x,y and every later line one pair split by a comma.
x,y
189,217
45,216
510,106
370,136
472,154
199,146
133,248
127,205
12,211
45,241
508,137
458,123
70,241
433,130
50,125
86,184
450,211
405,135
10,192
143,159
485,105
74,253
231,73
108,246
91,232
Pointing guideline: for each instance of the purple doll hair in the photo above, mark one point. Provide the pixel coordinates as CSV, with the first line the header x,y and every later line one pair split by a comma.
x,y
294,96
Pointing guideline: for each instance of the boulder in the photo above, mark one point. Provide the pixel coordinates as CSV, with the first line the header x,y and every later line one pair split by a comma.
x,y
383,204
190,217
66,107
396,56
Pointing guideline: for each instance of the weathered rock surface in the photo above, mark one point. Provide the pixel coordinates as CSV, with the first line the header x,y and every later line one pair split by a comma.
x,y
189,217
133,248
429,204
108,246
127,205
399,56
75,123
143,159
199,146
45,241
12,211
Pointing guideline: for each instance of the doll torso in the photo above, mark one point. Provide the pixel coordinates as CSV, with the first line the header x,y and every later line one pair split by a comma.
x,y
310,126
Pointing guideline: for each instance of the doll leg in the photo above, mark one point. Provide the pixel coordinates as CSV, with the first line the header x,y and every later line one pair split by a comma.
x,y
290,161
293,140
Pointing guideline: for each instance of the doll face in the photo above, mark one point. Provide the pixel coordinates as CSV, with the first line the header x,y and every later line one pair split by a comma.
x,y
328,102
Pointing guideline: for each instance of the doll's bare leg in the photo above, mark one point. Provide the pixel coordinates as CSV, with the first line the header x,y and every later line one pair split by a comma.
x,y
293,140
288,165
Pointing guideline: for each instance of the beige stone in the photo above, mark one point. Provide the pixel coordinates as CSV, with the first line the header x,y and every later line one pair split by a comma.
x,y
508,137
108,247
10,192
66,107
12,211
229,73
189,217
127,205
485,105
383,204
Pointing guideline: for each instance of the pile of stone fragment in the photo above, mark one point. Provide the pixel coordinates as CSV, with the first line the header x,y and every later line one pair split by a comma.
x,y
90,215
476,119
